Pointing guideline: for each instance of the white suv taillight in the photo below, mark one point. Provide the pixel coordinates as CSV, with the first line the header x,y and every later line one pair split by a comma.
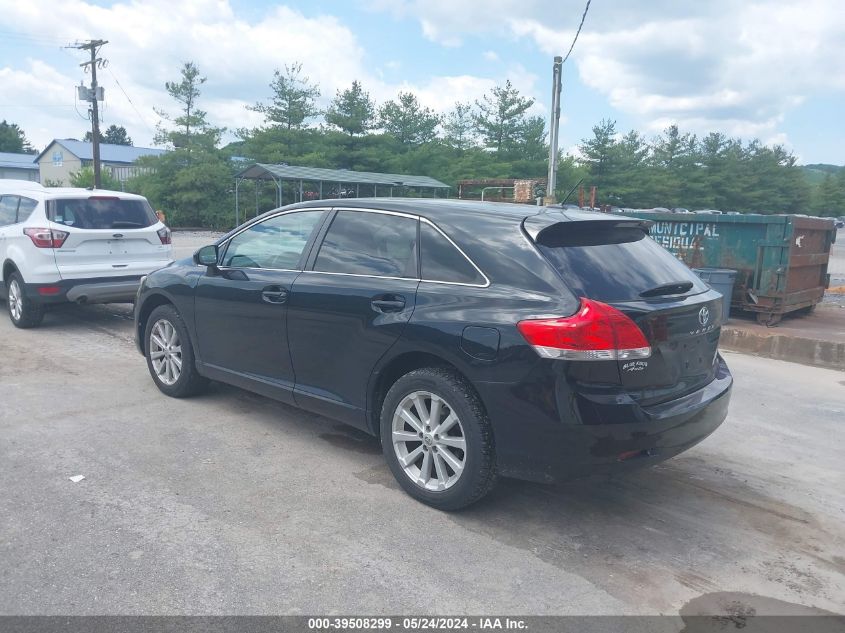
x,y
164,235
46,238
596,332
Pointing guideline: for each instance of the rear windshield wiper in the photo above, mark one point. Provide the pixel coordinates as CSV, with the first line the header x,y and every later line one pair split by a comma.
x,y
674,288
121,224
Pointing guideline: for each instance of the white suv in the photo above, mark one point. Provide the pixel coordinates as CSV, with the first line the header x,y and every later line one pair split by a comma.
x,y
81,245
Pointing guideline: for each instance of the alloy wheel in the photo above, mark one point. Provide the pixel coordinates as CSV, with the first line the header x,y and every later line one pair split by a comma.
x,y
429,441
15,300
166,352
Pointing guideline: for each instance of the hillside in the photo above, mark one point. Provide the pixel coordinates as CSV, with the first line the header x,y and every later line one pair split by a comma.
x,y
815,173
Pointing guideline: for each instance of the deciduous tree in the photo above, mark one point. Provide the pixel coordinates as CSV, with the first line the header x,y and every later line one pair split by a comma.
x,y
85,178
114,135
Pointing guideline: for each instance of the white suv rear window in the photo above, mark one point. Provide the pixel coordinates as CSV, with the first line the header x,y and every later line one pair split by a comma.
x,y
102,213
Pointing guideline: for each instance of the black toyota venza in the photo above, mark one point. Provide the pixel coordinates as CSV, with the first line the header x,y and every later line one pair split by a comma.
x,y
474,339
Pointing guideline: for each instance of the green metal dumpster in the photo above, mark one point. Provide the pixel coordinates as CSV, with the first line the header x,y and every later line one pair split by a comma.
x,y
781,260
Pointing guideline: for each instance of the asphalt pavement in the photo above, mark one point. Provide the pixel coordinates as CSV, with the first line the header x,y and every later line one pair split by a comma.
x,y
230,503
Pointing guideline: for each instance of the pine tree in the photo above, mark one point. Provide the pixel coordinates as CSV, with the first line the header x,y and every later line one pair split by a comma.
x,y
530,141
599,152
829,197
501,114
13,140
192,127
407,121
294,99
352,111
459,128
192,183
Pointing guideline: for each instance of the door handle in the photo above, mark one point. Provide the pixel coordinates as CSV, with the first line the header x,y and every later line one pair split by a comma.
x,y
274,294
388,303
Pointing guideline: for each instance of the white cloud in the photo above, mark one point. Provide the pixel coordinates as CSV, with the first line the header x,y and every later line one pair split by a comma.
x,y
441,93
448,22
42,97
722,65
150,39
732,66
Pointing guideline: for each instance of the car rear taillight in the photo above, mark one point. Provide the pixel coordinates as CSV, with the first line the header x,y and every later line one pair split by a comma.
x,y
596,332
164,235
46,238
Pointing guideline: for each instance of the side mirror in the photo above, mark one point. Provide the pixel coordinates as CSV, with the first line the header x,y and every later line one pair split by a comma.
x,y
206,256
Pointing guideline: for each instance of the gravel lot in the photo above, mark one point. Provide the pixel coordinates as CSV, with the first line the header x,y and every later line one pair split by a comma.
x,y
186,242
231,503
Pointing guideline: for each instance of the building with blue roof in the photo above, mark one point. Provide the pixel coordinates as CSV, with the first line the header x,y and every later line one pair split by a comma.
x,y
18,166
63,156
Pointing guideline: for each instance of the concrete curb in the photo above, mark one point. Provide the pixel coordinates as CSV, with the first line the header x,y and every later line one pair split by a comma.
x,y
807,351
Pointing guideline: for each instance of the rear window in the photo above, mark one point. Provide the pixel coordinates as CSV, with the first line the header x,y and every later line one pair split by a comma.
x,y
611,263
102,213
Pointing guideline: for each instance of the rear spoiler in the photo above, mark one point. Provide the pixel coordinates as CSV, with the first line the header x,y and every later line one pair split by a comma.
x,y
556,222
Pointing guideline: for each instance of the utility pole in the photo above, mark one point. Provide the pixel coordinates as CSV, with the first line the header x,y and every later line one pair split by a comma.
x,y
557,69
92,95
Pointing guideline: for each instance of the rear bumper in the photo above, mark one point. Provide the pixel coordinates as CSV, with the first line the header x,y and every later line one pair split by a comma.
x,y
95,290
569,448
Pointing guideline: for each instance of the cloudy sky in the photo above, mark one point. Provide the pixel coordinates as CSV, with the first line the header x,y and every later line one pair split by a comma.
x,y
771,69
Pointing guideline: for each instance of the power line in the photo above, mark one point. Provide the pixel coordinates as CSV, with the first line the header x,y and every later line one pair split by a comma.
x,y
76,109
140,116
578,32
554,126
39,40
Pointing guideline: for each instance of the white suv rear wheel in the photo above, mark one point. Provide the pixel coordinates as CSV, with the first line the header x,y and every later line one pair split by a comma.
x,y
23,312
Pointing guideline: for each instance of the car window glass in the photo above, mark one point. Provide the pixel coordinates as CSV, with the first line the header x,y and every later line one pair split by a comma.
x,y
442,261
102,212
600,261
8,210
26,207
370,244
276,243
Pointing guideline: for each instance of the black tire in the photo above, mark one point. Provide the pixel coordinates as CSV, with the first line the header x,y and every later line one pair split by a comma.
x,y
31,312
479,472
189,381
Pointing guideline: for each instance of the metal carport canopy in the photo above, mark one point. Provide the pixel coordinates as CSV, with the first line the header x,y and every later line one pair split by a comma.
x,y
260,171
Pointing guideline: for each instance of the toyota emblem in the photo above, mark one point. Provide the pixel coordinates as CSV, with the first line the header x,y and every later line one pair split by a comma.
x,y
703,316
